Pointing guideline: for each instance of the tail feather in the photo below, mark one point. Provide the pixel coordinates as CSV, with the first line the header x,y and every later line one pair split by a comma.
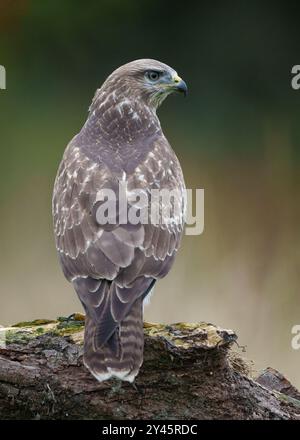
x,y
122,355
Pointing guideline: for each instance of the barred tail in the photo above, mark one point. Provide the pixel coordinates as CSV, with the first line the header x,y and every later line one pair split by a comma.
x,y
122,355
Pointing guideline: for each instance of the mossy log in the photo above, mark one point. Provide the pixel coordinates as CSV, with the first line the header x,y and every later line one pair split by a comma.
x,y
190,371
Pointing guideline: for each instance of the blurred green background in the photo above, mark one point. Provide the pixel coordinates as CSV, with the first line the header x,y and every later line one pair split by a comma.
x,y
237,136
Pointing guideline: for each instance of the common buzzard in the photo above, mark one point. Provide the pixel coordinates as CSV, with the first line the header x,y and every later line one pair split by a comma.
x,y
113,266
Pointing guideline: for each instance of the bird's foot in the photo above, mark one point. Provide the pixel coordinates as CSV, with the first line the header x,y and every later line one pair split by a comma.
x,y
74,320
76,317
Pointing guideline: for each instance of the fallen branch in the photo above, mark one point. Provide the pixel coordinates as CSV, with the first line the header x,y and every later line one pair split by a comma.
x,y
190,371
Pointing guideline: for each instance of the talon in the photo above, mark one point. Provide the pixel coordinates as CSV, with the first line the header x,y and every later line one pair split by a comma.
x,y
78,317
75,317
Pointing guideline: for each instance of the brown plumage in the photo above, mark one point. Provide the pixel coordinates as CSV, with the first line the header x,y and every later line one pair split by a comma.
x,y
113,267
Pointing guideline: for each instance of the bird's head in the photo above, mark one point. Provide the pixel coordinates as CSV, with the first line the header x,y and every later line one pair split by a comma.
x,y
146,79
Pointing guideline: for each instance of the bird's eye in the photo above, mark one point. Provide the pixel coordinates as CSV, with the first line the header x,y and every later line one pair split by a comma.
x,y
153,75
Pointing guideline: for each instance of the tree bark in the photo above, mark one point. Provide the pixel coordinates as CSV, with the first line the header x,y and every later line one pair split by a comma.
x,y
190,371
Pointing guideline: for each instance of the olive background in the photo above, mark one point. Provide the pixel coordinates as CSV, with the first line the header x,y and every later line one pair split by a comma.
x,y
237,136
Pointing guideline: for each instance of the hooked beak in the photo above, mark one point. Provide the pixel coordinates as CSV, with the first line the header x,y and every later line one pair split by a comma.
x,y
180,85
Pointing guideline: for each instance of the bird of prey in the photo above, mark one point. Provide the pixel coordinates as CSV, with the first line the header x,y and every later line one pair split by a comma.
x,y
113,266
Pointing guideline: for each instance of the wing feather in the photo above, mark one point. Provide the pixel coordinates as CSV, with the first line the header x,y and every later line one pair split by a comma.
x,y
112,267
